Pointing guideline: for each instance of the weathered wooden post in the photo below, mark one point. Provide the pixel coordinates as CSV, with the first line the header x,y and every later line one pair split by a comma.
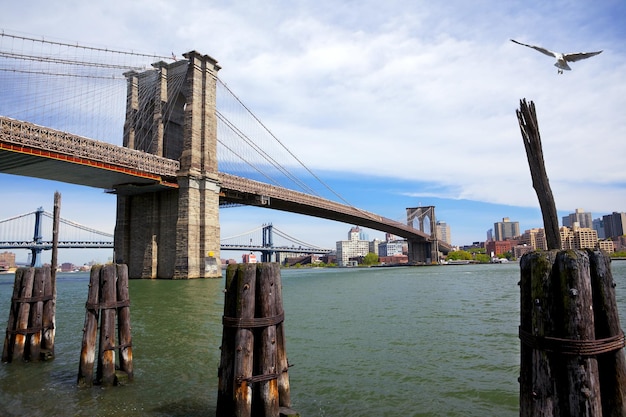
x,y
251,343
566,344
107,299
27,316
90,329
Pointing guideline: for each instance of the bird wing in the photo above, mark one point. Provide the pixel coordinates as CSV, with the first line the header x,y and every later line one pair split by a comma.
x,y
538,48
580,55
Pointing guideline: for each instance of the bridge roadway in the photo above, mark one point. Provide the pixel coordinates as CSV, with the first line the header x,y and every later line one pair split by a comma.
x,y
35,151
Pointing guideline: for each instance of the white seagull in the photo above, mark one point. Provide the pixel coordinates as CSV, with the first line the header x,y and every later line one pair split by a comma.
x,y
561,59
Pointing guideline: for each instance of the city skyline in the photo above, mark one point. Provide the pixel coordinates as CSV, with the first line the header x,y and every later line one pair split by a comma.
x,y
394,106
86,256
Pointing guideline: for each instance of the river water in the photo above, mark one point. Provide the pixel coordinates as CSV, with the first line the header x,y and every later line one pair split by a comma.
x,y
408,341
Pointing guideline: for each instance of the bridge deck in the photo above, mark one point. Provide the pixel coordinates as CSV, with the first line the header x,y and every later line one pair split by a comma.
x,y
30,150
36,151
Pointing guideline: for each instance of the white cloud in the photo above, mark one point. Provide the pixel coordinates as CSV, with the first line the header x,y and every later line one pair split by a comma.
x,y
421,91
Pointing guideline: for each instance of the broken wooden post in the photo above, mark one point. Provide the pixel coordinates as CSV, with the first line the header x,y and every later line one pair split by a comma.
x,y
572,359
108,299
527,119
252,350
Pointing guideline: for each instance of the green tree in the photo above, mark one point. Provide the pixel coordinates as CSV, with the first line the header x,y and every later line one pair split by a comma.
x,y
459,255
370,259
482,258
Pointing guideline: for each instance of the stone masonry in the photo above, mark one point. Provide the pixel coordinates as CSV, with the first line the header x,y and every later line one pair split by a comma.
x,y
171,112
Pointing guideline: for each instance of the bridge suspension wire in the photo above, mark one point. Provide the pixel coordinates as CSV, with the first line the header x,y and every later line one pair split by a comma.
x,y
21,228
268,133
78,225
67,86
294,240
81,89
248,233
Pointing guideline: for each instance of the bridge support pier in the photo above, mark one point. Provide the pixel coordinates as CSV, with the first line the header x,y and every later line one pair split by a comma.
x,y
173,234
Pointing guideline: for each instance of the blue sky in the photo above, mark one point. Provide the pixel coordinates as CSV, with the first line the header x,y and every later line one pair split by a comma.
x,y
394,104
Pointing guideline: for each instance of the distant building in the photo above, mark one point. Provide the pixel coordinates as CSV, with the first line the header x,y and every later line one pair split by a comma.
x,y
614,224
8,259
390,248
606,245
248,258
505,229
498,247
535,239
351,248
67,267
598,226
443,232
578,237
579,216
374,246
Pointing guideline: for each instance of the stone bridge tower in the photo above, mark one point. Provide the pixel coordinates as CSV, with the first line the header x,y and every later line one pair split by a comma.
x,y
171,112
427,252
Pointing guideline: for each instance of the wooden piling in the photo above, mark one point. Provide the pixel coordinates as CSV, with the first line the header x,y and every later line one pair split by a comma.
x,y
9,339
611,363
572,357
267,363
252,349
108,300
28,317
90,329
35,322
125,347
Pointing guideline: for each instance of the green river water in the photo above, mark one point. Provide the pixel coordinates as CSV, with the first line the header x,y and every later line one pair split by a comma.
x,y
407,341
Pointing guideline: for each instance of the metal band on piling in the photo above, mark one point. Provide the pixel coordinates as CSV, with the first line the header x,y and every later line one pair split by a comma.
x,y
239,322
572,346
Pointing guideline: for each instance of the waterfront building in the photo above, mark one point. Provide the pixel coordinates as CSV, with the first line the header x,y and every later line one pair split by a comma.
x,y
579,216
351,248
8,259
443,232
499,247
614,224
606,245
390,248
506,229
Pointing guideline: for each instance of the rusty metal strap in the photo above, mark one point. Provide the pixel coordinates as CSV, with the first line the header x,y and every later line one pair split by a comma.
x,y
122,346
107,306
258,378
30,330
240,322
571,346
32,299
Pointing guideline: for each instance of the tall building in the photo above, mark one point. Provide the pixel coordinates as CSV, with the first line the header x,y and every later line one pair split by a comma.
x,y
579,216
614,224
352,247
598,226
443,232
506,229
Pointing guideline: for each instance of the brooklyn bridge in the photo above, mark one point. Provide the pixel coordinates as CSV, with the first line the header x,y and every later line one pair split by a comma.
x,y
184,155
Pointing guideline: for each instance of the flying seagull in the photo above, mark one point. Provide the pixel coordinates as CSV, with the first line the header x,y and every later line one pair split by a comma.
x,y
561,59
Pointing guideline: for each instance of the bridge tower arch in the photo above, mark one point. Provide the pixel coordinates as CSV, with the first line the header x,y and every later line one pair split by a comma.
x,y
426,252
171,112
